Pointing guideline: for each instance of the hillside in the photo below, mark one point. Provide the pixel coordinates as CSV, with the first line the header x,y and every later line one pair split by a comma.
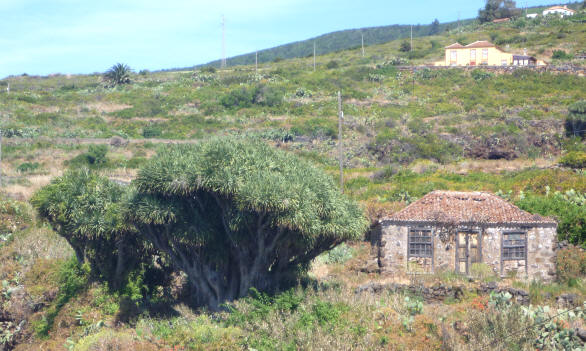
x,y
406,133
351,39
339,41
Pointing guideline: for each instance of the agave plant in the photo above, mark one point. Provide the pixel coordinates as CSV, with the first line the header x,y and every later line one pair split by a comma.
x,y
118,74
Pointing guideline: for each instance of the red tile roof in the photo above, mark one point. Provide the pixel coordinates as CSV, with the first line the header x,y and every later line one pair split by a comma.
x,y
466,208
480,44
455,46
560,8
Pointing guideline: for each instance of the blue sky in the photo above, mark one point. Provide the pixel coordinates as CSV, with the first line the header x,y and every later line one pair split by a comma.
x,y
85,36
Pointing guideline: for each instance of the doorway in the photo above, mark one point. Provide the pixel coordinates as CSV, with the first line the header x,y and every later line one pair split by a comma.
x,y
468,250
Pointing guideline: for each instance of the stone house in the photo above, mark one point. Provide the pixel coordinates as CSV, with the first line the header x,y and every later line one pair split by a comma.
x,y
449,230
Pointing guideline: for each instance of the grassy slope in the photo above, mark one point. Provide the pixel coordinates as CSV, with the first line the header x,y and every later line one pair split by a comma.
x,y
453,105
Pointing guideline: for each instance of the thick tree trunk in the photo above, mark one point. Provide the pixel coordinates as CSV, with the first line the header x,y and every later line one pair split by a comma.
x,y
119,264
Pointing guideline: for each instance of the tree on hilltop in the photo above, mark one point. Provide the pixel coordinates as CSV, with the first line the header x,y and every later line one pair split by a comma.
x,y
118,74
435,27
495,9
235,214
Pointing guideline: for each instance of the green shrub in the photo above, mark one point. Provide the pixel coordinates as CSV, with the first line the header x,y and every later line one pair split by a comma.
x,y
332,64
405,46
94,158
240,97
208,69
570,214
243,97
570,264
317,128
576,121
574,159
480,75
97,154
73,278
152,131
27,167
561,55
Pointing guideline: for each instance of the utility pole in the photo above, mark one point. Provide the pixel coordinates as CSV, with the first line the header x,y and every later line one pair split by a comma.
x,y
411,46
223,64
363,45
413,89
0,157
340,146
314,56
256,62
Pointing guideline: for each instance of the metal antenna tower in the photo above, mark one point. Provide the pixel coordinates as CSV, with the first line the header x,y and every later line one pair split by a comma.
x,y
363,45
223,64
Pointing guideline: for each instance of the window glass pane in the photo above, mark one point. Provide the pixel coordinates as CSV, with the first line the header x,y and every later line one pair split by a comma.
x,y
514,246
420,243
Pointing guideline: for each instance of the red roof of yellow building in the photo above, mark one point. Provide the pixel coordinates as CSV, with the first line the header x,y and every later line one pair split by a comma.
x,y
455,46
480,44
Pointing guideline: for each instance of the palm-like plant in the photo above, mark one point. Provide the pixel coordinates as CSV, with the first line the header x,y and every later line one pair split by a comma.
x,y
118,74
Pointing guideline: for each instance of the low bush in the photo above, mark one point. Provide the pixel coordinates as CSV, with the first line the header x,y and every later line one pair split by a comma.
x,y
574,159
480,75
316,128
570,264
94,158
27,167
332,64
152,131
243,97
561,55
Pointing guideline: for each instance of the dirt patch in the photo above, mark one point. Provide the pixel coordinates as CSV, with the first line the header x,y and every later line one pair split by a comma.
x,y
105,107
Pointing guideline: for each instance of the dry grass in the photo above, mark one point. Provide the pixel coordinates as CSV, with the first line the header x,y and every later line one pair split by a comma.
x,y
497,166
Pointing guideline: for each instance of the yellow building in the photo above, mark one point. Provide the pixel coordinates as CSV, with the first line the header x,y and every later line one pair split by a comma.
x,y
479,53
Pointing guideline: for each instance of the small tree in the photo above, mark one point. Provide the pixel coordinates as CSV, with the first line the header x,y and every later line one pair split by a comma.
x,y
576,121
118,74
405,46
235,214
435,27
495,9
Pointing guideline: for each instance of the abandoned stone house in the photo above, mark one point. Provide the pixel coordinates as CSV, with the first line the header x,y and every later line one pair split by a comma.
x,y
449,230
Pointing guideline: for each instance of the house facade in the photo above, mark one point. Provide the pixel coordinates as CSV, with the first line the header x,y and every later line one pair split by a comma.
x,y
562,11
479,53
484,53
456,231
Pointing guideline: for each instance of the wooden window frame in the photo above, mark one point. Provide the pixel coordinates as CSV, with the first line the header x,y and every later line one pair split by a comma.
x,y
525,246
430,244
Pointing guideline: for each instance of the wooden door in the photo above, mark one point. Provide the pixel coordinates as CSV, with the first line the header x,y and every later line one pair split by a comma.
x,y
467,250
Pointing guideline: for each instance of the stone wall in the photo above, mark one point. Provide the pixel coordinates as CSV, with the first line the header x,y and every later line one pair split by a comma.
x,y
541,241
542,244
568,69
